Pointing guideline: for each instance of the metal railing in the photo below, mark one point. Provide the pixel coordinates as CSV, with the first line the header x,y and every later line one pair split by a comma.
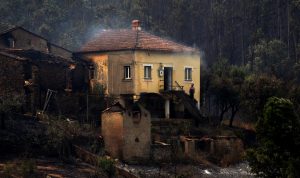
x,y
176,87
179,86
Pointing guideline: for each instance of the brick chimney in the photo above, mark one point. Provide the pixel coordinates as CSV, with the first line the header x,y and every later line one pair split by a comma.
x,y
136,25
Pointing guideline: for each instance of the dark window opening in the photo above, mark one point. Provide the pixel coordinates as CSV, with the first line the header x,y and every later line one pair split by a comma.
x,y
127,72
11,42
188,74
147,72
27,71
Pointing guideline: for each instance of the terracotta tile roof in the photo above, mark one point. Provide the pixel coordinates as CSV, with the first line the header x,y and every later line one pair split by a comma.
x,y
127,39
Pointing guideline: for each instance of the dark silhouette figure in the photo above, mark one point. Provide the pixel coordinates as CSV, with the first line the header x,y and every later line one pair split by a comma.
x,y
192,92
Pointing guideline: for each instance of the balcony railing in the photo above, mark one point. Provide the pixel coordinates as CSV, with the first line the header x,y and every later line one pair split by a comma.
x,y
176,87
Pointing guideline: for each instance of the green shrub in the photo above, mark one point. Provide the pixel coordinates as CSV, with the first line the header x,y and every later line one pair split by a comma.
x,y
28,168
278,136
107,165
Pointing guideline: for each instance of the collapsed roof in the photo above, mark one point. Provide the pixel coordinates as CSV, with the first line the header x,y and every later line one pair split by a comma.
x,y
36,55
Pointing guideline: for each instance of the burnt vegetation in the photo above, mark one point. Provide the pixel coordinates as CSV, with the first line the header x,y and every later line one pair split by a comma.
x,y
250,52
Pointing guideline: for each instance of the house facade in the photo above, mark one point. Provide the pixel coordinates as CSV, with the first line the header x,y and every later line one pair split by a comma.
x,y
134,62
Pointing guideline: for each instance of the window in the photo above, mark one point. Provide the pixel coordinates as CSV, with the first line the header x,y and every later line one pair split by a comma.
x,y
147,72
188,74
92,72
127,72
69,77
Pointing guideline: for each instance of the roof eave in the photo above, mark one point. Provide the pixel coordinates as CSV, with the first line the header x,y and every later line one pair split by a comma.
x,y
139,49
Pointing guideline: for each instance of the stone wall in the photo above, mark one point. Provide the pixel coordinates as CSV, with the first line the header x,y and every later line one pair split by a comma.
x,y
11,77
27,40
161,153
52,76
29,80
222,150
137,135
24,40
112,132
127,133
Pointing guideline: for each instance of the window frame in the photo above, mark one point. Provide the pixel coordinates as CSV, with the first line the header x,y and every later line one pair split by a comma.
x,y
127,72
148,71
188,73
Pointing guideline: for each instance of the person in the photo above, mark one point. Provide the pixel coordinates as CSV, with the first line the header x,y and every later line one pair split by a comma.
x,y
192,91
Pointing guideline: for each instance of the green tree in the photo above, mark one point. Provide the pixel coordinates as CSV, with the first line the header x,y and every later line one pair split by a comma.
x,y
278,136
226,85
256,90
269,56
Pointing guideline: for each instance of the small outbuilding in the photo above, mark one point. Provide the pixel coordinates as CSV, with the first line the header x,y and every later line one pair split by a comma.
x,y
127,132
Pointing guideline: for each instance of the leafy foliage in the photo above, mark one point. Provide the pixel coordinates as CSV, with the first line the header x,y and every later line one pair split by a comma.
x,y
107,165
235,30
256,90
225,87
278,135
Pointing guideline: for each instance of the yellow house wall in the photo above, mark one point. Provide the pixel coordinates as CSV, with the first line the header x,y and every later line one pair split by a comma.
x,y
109,71
100,62
117,84
176,60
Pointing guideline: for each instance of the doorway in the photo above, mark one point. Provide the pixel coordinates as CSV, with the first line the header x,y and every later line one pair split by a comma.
x,y
168,73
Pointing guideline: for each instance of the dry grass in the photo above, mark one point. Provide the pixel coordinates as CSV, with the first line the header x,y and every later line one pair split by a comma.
x,y
18,168
227,152
247,125
235,154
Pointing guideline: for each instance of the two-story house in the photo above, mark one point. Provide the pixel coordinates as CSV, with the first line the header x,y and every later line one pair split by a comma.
x,y
135,62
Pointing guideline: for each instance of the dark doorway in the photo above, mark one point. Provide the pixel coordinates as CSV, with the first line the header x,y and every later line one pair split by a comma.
x,y
168,71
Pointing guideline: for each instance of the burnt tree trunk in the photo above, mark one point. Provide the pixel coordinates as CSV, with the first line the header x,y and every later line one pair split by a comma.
x,y
234,110
224,110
